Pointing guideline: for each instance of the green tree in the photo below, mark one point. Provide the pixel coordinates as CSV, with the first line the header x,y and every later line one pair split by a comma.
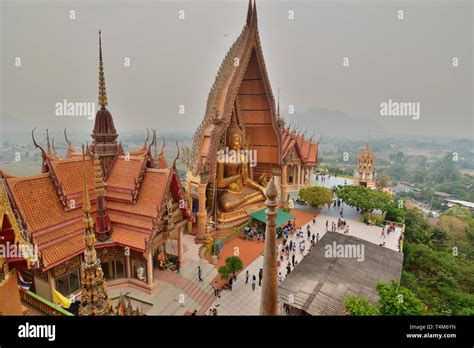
x,y
397,300
364,198
360,306
316,196
393,300
233,264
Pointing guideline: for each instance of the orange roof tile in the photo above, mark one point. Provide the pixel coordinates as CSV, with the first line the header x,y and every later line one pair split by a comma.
x,y
70,175
130,238
38,202
41,238
124,172
151,194
131,220
63,250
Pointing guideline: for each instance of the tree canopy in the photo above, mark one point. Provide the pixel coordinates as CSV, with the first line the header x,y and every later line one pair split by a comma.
x,y
364,198
316,196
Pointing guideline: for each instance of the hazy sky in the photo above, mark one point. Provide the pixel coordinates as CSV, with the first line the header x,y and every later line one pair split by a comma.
x,y
174,62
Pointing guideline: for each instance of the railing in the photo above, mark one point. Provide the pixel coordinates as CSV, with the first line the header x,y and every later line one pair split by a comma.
x,y
42,304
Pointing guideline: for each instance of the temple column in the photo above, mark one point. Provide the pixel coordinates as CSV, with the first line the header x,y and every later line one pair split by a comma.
x,y
180,243
202,214
269,295
128,266
52,284
298,178
149,268
110,269
284,183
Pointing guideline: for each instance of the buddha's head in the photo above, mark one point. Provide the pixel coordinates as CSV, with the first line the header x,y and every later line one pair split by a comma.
x,y
235,141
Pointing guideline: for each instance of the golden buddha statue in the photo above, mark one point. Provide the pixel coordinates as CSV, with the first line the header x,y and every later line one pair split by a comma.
x,y
238,189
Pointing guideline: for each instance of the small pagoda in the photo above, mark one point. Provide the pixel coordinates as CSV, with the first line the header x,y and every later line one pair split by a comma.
x,y
365,174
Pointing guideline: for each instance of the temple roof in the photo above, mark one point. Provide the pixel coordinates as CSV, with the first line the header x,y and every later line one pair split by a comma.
x,y
58,229
244,89
306,150
247,51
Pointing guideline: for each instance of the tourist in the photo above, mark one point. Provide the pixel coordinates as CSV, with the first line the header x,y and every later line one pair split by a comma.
x,y
317,237
302,246
247,277
214,311
291,244
194,313
280,278
294,247
178,264
293,260
199,274
347,230
282,254
260,276
230,283
215,286
314,219
313,236
327,225
254,281
383,233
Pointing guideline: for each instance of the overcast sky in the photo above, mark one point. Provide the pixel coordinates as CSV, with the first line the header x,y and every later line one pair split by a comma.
x,y
174,61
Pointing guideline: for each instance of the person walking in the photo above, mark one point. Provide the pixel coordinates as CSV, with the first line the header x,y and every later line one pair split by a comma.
x,y
327,224
293,260
215,286
314,219
280,278
199,274
288,268
231,281
260,276
178,265
247,277
317,237
254,281
308,233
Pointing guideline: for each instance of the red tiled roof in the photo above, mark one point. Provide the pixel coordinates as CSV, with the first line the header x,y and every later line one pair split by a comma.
x,y
53,254
70,175
124,172
129,237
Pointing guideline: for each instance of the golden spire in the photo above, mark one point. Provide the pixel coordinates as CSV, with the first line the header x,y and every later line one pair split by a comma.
x,y
99,179
86,205
102,91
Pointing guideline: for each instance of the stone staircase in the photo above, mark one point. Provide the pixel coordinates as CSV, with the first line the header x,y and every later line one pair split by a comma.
x,y
186,291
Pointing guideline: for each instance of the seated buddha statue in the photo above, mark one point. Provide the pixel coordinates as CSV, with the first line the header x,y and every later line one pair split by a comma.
x,y
237,188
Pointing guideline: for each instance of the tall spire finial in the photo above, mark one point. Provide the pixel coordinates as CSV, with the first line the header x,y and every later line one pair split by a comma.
x,y
249,12
102,91
86,204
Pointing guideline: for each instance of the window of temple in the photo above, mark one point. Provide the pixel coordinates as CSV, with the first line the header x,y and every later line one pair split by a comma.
x,y
139,269
290,179
69,282
114,269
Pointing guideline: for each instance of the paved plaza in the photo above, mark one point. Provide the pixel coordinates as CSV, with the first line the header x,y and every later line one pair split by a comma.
x,y
242,300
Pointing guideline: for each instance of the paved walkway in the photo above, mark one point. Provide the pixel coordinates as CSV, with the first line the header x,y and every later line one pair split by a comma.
x,y
242,300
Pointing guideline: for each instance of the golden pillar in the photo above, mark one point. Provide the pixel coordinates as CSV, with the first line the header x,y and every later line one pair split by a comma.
x,y
128,266
149,268
284,183
202,213
269,295
180,243
298,177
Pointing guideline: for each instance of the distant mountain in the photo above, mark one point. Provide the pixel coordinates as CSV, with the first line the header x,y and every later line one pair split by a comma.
x,y
334,123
